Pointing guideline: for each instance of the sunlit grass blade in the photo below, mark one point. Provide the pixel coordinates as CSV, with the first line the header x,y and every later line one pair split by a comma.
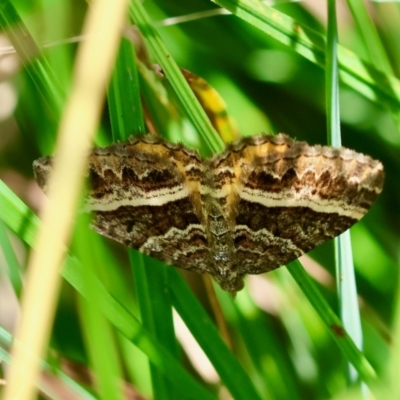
x,y
174,75
347,290
361,76
98,336
77,127
391,378
262,344
332,322
150,280
332,80
230,371
370,36
14,269
77,390
29,52
124,97
347,294
20,219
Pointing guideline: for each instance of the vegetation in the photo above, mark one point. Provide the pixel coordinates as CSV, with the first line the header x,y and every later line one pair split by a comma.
x,y
274,68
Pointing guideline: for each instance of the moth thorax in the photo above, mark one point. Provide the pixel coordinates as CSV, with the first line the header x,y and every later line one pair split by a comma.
x,y
221,242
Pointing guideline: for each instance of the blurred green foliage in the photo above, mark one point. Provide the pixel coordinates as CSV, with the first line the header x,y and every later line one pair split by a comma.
x,y
279,340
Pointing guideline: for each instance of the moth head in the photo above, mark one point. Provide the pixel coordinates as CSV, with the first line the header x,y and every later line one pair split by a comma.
x,y
42,169
229,280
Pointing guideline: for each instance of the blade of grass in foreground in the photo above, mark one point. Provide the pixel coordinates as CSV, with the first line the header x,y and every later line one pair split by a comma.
x,y
20,219
37,67
6,340
206,334
14,269
245,319
370,36
343,340
345,277
97,332
150,283
124,96
359,75
24,223
392,382
174,75
77,127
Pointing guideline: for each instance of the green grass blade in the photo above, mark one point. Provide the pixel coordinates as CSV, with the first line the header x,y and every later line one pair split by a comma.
x,y
230,371
14,269
370,36
150,280
5,342
175,77
36,65
347,293
393,366
17,216
101,349
359,75
345,278
152,288
263,345
333,323
332,80
97,333
123,100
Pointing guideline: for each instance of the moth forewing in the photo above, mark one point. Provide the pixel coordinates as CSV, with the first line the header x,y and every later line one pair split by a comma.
x,y
260,204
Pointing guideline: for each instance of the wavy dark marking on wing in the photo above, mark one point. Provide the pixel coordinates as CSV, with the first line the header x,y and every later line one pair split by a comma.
x,y
271,237
260,204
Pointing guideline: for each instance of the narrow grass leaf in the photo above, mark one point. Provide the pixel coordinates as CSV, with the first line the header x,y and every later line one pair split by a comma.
x,y
150,281
124,96
391,378
5,342
345,277
262,343
347,294
16,214
333,323
14,268
370,36
29,52
359,75
230,371
98,336
191,105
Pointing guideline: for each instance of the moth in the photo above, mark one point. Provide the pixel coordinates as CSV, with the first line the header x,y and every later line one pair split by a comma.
x,y
261,203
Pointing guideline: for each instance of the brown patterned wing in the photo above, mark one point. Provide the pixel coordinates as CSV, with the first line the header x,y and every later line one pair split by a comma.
x,y
262,203
145,194
292,197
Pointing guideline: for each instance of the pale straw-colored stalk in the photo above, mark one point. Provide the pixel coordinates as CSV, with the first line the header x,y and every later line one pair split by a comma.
x,y
103,27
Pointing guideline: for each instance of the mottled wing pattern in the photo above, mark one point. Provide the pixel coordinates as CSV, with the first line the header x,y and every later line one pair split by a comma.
x,y
262,203
291,197
144,194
